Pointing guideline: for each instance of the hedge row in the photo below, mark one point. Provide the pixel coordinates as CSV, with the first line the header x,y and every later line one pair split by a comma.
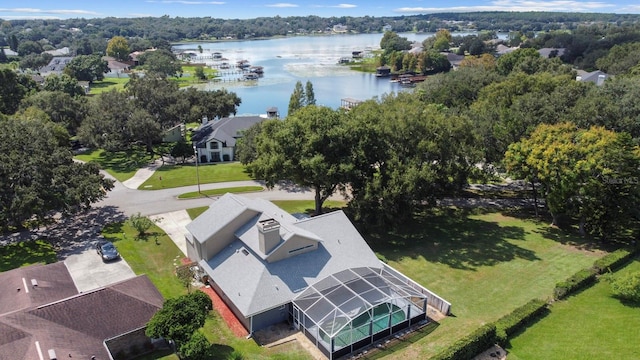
x,y
471,345
613,260
577,281
500,331
586,277
509,324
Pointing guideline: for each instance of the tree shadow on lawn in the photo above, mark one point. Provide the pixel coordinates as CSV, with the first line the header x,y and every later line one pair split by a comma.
x,y
221,351
124,161
452,239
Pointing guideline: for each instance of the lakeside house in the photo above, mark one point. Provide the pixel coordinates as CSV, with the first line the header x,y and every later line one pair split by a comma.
x,y
215,140
318,274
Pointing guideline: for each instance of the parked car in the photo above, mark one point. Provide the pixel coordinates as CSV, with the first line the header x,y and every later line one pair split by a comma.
x,y
107,251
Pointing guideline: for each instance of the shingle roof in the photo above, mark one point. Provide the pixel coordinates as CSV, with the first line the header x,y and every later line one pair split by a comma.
x,y
255,285
54,283
78,324
225,130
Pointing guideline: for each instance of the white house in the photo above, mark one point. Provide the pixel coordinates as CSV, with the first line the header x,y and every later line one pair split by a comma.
x,y
215,140
316,273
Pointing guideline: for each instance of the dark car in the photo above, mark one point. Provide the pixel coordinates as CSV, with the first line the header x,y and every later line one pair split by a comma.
x,y
107,251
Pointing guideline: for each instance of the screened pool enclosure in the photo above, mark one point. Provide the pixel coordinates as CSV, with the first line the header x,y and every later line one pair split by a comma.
x,y
357,307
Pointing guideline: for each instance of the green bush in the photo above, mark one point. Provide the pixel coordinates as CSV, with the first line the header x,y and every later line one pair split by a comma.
x,y
509,324
576,282
613,260
471,345
627,287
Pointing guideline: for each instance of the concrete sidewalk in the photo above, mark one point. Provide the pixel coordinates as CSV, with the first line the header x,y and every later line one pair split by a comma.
x,y
142,175
174,224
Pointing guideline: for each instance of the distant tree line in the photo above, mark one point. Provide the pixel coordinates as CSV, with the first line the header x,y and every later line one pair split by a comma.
x,y
88,36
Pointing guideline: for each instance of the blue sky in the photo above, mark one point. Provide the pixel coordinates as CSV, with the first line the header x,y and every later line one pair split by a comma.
x,y
245,9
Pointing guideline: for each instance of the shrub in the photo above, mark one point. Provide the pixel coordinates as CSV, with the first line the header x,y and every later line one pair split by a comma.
x,y
471,345
576,282
514,321
627,287
613,260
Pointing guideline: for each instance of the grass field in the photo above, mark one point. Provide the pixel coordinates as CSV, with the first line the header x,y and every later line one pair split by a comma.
x,y
108,84
307,206
155,254
486,265
215,192
183,175
589,325
26,253
120,164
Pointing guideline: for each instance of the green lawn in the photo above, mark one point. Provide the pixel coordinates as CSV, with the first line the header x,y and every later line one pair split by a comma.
x,y
155,255
195,212
307,206
120,164
485,265
183,175
26,253
108,84
216,192
589,325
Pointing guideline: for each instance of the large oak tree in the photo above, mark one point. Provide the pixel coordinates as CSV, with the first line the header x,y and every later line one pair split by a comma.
x,y
38,176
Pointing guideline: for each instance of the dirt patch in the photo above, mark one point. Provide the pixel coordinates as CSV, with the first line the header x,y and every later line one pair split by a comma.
x,y
279,334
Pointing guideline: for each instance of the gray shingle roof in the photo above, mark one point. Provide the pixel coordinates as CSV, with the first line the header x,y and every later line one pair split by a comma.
x,y
225,130
255,285
75,324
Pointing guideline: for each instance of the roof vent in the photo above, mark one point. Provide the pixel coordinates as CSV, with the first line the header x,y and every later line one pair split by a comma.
x,y
52,354
34,283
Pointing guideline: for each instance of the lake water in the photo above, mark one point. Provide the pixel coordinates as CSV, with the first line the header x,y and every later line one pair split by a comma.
x,y
300,58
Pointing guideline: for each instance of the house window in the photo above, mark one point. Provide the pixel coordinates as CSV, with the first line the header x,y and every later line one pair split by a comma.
x,y
215,145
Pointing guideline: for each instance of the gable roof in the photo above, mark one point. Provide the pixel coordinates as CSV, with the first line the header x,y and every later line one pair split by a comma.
x,y
598,77
225,130
77,324
255,285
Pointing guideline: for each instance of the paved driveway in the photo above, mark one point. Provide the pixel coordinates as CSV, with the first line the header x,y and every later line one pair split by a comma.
x,y
89,271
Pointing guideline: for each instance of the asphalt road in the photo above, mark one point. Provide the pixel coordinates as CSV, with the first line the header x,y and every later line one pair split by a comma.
x,y
153,202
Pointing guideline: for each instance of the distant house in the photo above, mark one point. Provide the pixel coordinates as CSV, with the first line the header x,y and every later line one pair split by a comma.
x,y
42,315
215,140
502,49
55,66
454,59
317,273
387,28
174,134
116,66
551,52
65,51
597,77
339,28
